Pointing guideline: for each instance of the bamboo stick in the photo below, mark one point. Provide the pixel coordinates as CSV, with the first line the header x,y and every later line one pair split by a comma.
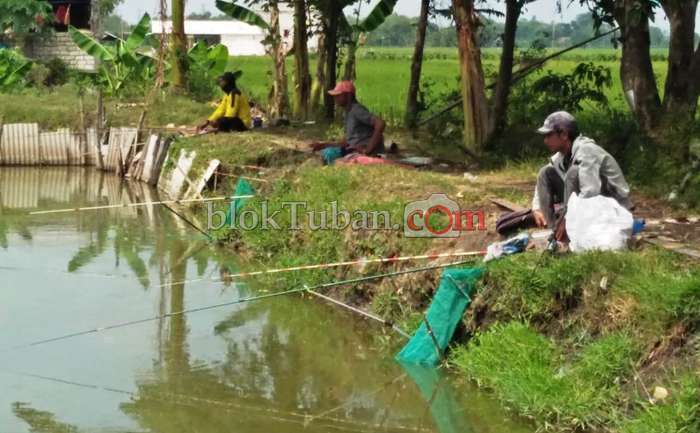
x,y
112,206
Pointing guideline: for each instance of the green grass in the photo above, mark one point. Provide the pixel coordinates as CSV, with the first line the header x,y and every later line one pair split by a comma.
x,y
566,337
680,415
531,374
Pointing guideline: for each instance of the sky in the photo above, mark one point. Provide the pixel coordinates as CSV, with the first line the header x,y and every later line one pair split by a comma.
x,y
543,10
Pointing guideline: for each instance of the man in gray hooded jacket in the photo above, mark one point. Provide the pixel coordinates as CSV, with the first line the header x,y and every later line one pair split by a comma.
x,y
578,166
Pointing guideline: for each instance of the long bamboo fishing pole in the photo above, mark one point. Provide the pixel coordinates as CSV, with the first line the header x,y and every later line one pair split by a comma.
x,y
363,313
190,223
238,301
112,206
333,265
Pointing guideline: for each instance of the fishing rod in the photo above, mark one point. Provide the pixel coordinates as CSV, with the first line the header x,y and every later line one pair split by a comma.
x,y
113,206
357,310
218,173
236,302
332,265
190,223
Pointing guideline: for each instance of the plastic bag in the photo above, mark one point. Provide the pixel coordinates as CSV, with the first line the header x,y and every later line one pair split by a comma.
x,y
514,245
597,223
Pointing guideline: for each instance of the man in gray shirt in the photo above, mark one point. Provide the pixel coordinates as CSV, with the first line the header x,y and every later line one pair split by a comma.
x,y
364,132
578,166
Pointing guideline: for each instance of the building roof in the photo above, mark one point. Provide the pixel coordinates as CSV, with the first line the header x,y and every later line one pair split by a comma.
x,y
208,27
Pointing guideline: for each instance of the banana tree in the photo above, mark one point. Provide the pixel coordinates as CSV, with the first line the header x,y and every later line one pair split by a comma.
x,y
13,67
353,34
121,63
273,40
212,59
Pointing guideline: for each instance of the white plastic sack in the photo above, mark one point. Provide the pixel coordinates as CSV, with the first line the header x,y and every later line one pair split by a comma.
x,y
597,223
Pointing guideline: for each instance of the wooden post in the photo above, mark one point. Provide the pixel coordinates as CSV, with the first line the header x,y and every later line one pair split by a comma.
x,y
432,337
83,133
140,126
98,130
2,158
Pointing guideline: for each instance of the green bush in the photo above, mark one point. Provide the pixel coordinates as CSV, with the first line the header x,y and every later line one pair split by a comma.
x,y
59,72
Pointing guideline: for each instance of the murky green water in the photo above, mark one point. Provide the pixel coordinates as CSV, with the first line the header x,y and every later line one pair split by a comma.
x,y
286,364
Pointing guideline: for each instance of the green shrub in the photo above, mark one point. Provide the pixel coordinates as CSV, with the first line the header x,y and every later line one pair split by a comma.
x,y
59,72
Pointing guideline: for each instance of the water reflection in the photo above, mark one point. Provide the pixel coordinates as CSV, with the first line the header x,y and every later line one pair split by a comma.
x,y
286,364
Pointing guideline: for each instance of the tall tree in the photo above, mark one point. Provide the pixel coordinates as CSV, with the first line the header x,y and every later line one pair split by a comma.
x,y
499,113
275,47
178,46
637,75
320,80
473,87
416,65
302,77
332,15
280,105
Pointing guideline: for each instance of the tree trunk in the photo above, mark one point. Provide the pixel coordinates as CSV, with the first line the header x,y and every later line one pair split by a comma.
x,y
334,11
499,115
302,78
416,65
178,46
679,92
636,71
280,102
320,71
473,87
350,73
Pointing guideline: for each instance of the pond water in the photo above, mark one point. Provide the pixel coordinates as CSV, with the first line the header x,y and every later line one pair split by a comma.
x,y
284,364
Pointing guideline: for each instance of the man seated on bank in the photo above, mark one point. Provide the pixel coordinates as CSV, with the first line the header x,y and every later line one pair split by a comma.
x,y
579,166
233,113
364,131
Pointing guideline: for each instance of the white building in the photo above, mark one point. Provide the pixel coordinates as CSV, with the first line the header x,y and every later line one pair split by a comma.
x,y
240,38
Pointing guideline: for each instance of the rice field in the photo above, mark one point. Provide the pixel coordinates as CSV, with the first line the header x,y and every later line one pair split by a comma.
x,y
383,73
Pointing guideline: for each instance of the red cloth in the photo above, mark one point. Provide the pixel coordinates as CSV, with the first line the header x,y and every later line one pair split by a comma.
x,y
61,14
356,158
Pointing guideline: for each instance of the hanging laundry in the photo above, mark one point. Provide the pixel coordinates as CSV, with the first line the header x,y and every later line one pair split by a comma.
x,y
61,14
66,20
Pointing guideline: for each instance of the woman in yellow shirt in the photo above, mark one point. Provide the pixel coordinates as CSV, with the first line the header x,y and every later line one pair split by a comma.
x,y
233,113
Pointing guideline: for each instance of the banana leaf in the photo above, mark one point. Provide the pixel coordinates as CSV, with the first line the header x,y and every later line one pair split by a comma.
x,y
198,51
380,12
242,14
132,64
16,75
89,45
139,34
218,55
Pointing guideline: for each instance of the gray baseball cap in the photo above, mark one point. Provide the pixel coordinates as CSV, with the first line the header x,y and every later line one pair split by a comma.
x,y
559,121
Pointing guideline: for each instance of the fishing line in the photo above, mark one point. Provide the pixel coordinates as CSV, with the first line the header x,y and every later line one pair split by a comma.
x,y
224,304
186,400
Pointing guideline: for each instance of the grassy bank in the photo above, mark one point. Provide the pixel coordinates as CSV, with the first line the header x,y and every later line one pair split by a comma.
x,y
579,343
582,342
